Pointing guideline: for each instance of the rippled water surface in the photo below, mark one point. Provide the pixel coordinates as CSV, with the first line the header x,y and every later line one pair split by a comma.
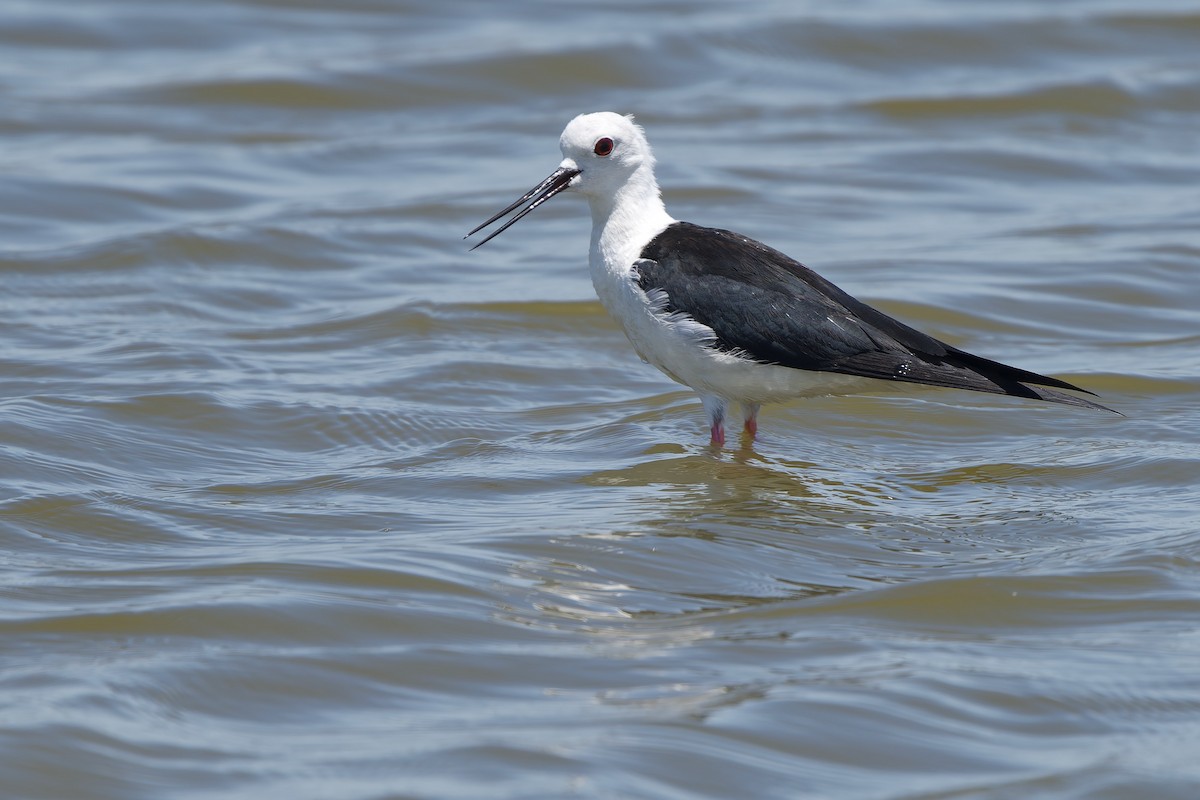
x,y
298,498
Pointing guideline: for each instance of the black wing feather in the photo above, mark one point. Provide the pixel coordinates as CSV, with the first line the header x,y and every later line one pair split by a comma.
x,y
775,310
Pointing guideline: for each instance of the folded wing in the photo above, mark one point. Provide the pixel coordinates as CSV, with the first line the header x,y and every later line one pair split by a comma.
x,y
773,309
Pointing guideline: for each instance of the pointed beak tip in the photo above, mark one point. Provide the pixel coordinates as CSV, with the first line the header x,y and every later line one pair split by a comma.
x,y
558,181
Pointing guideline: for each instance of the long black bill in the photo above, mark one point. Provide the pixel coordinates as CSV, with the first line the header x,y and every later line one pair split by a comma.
x,y
559,179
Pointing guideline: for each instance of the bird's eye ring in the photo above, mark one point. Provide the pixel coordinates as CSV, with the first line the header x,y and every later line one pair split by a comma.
x,y
604,146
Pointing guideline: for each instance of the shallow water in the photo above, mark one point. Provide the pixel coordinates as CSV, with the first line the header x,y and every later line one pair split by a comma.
x,y
301,499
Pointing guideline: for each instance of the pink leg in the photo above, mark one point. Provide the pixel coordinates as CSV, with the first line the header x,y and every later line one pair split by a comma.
x,y
715,408
718,432
750,412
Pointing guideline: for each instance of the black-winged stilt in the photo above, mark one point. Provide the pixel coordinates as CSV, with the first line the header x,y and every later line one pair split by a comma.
x,y
730,317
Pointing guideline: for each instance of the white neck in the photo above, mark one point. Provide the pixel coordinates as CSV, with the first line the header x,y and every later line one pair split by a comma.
x,y
625,221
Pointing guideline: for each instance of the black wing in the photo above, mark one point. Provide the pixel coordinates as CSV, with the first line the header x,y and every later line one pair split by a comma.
x,y
775,310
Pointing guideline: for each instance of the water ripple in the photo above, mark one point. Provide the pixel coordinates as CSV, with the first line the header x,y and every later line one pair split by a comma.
x,y
298,497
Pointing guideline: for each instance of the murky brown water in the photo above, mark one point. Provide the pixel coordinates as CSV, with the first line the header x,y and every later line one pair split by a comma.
x,y
300,499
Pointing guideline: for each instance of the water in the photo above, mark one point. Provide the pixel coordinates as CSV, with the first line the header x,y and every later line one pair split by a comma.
x,y
298,498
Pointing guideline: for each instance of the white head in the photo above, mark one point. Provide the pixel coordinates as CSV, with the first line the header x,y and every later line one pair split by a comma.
x,y
606,158
608,150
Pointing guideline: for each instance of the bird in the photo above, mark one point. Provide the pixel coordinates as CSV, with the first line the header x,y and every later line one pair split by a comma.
x,y
737,321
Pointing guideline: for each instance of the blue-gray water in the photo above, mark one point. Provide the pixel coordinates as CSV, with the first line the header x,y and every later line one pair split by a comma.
x,y
300,499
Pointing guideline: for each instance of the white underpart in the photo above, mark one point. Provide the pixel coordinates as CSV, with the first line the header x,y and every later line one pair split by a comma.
x,y
627,212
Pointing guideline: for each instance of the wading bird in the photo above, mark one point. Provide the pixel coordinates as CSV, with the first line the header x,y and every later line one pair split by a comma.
x,y
728,316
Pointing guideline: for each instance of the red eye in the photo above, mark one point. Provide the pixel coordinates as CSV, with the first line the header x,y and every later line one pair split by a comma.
x,y
604,146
